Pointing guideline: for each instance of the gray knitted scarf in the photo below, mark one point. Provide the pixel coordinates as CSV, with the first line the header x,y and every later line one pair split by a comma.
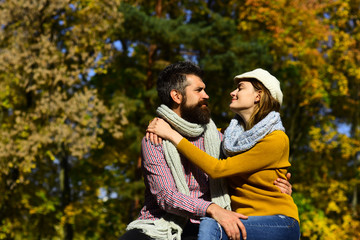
x,y
170,226
237,140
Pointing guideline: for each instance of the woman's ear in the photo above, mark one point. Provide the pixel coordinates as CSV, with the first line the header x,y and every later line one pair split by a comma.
x,y
258,96
176,96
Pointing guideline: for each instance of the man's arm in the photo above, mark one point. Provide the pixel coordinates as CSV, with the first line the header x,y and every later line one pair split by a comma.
x,y
162,186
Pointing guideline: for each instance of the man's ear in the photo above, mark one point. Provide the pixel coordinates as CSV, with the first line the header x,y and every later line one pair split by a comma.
x,y
176,96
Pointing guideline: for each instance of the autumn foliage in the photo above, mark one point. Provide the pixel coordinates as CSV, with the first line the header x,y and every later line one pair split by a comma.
x,y
78,87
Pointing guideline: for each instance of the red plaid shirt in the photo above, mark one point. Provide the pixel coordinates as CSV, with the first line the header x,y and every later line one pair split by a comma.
x,y
161,194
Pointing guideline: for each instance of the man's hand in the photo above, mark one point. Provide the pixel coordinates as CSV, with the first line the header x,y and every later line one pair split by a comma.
x,y
284,185
229,220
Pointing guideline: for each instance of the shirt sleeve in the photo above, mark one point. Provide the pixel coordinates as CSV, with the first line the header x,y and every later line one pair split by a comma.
x,y
270,152
162,186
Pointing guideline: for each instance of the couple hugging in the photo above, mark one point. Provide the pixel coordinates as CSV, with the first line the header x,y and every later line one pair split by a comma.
x,y
202,184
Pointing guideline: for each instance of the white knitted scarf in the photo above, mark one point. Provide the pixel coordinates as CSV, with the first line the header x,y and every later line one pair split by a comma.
x,y
170,226
237,140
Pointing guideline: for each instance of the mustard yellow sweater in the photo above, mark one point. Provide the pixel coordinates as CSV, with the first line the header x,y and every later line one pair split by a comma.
x,y
251,175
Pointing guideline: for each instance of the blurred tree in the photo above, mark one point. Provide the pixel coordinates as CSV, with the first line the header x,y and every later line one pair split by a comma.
x,y
75,73
52,121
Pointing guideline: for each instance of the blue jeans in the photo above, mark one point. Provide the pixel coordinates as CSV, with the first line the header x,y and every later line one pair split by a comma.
x,y
275,227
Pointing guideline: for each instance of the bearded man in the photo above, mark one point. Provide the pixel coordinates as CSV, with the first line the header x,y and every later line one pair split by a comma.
x,y
177,192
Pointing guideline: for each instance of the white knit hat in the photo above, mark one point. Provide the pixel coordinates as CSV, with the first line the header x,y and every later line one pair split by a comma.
x,y
269,81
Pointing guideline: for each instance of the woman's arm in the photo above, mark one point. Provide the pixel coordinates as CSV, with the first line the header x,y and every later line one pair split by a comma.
x,y
271,152
161,127
268,153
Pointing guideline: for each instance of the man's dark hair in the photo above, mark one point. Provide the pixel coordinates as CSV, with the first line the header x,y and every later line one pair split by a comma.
x,y
174,77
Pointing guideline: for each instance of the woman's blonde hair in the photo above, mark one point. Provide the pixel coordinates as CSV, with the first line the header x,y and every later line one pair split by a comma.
x,y
266,104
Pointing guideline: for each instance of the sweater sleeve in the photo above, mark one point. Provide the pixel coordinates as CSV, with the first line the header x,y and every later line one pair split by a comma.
x,y
158,177
270,152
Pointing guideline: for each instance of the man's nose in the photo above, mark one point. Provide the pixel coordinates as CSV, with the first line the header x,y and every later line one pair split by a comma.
x,y
205,95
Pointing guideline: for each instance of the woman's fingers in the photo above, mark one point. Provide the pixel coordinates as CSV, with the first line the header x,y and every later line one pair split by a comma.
x,y
150,133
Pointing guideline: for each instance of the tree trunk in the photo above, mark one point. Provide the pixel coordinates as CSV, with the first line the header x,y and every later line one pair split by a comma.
x,y
354,125
65,193
152,50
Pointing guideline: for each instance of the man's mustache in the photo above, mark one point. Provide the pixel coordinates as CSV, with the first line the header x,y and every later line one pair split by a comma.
x,y
203,102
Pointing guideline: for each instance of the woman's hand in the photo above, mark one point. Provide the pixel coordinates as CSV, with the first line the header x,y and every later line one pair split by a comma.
x,y
154,139
159,128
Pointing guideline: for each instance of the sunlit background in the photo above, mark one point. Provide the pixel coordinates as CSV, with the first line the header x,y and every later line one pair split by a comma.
x,y
78,88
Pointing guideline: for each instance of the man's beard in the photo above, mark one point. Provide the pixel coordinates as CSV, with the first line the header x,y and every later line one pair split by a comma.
x,y
198,113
